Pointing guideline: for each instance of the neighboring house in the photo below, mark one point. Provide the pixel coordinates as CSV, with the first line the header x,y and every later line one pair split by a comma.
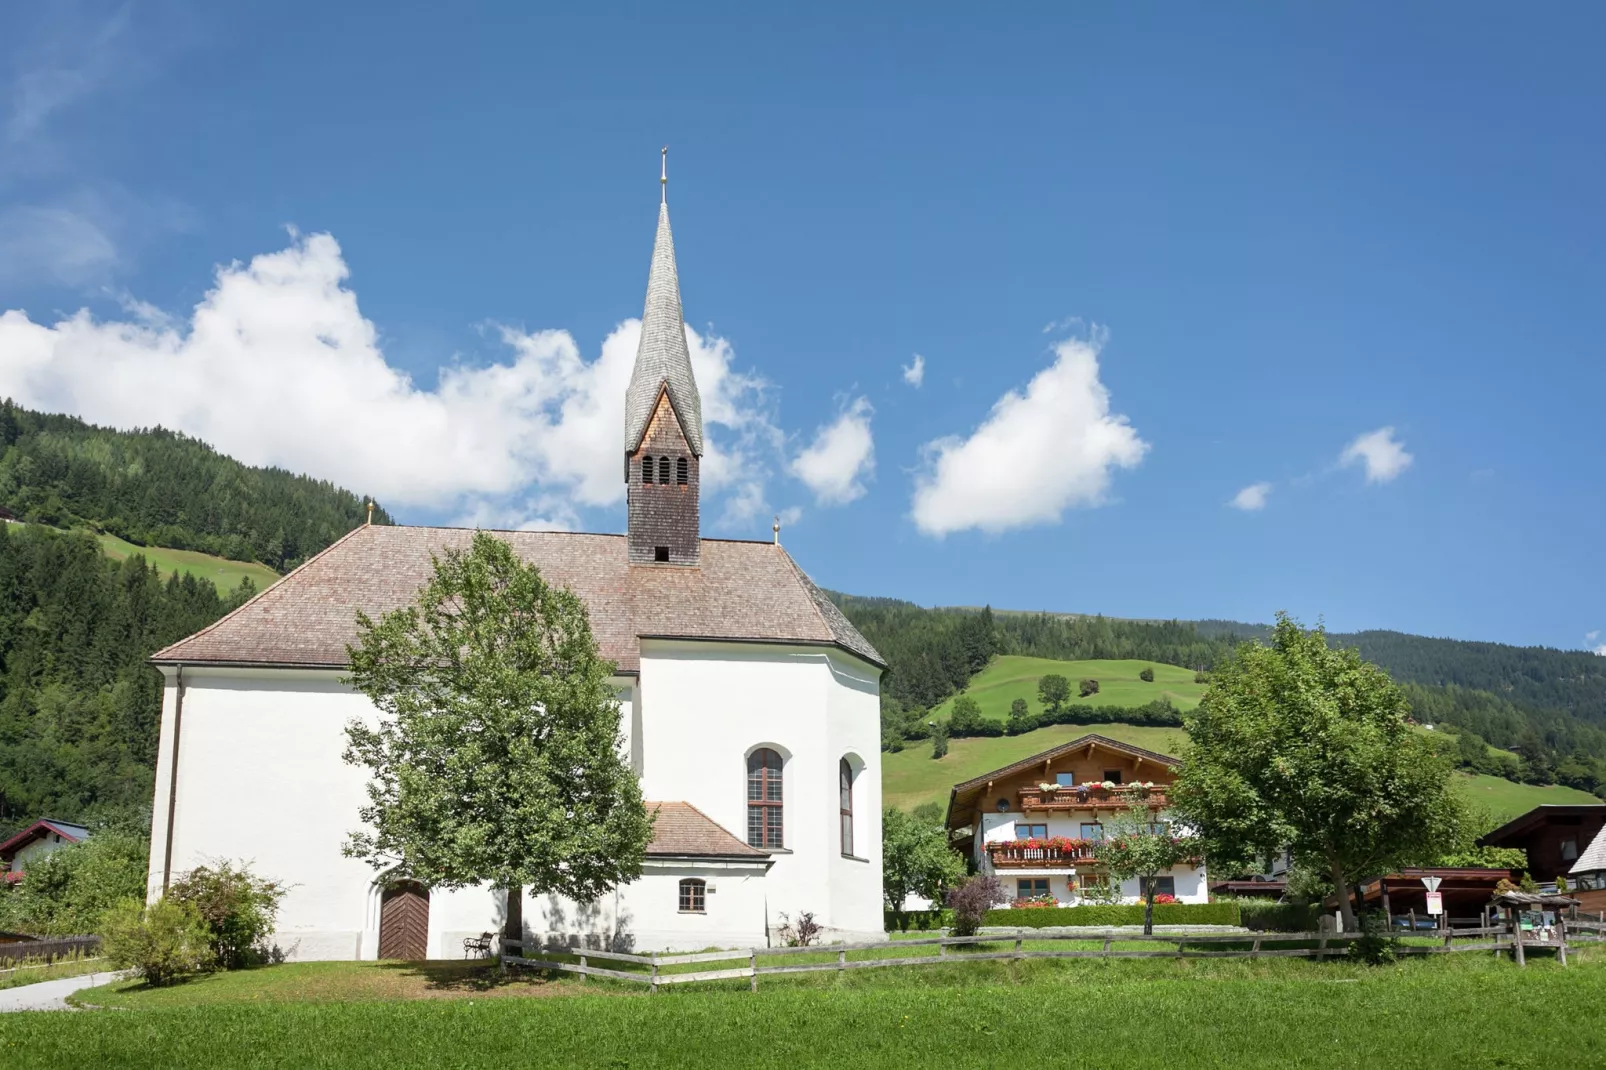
x,y
1587,879
1034,823
1464,892
1553,836
747,700
34,842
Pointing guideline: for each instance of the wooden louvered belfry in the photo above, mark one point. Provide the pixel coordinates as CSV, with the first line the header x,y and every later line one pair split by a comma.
x,y
404,921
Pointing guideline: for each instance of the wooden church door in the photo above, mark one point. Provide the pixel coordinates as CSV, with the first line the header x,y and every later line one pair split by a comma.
x,y
404,921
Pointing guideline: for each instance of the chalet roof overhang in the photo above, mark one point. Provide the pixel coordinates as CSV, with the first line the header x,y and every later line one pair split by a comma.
x,y
962,798
1537,817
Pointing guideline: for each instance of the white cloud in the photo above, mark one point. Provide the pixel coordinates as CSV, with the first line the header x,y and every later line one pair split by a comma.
x,y
1383,455
1252,498
1037,453
914,374
1590,637
277,366
840,458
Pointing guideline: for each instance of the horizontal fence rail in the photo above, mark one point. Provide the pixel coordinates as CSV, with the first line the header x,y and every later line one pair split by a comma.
x,y
1250,945
48,950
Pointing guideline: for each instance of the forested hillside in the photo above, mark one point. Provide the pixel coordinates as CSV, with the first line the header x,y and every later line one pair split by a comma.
x,y
160,488
1542,710
79,708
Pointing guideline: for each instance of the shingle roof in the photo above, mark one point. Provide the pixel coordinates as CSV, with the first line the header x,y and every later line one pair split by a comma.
x,y
662,358
683,831
750,591
1594,856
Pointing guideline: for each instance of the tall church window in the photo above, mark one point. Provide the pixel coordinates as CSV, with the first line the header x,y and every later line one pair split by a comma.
x,y
844,776
646,469
663,469
680,471
764,798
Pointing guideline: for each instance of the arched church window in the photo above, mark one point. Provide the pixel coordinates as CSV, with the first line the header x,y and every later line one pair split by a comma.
x,y
680,471
764,798
844,778
663,469
692,892
646,469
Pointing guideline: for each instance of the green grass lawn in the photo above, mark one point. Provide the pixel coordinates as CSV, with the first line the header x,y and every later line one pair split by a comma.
x,y
1506,800
910,777
224,573
1011,676
1462,1011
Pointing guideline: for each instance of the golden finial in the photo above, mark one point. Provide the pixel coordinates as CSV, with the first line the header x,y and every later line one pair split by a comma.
x,y
370,512
777,530
663,175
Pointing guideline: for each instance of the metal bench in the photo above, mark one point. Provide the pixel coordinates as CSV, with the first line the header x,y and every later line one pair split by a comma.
x,y
480,945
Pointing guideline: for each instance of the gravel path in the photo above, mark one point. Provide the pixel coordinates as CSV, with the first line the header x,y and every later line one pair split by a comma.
x,y
52,995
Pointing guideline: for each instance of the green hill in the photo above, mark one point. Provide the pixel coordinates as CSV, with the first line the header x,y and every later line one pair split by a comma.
x,y
1012,676
219,571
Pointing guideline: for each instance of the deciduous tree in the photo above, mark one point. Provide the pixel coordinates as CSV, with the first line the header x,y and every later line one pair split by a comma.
x,y
1135,844
1054,690
916,860
496,757
1298,745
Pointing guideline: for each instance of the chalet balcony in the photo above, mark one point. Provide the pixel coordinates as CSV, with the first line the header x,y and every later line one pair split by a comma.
x,y
1083,797
1056,851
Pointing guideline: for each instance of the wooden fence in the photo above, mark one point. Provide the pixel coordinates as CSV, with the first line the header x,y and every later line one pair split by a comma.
x,y
1186,946
49,950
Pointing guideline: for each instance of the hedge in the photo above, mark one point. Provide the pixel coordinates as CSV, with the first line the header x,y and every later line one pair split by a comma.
x,y
1267,916
1222,913
919,920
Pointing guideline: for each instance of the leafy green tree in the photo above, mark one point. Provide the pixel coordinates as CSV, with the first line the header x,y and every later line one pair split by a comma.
x,y
1054,691
1088,687
236,906
915,860
939,741
1136,845
1147,676
965,719
498,753
1299,745
1021,718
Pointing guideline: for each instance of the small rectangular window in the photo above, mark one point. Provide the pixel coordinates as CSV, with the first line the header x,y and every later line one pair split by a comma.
x,y
1065,780
1165,886
1092,830
660,554
1569,849
1112,775
1031,832
691,896
1027,887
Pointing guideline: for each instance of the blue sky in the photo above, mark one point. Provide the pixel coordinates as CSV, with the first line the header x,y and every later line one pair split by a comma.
x,y
1150,258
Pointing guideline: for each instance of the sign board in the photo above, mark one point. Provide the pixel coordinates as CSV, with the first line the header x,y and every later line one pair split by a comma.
x,y
1431,882
1435,903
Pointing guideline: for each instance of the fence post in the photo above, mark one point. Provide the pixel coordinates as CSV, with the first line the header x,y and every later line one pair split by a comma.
x,y
582,969
753,962
1254,950
1561,935
1413,921
652,989
841,962
1321,947
942,947
1516,936
1106,948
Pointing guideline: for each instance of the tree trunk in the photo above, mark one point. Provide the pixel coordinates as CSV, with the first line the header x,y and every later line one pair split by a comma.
x,y
1148,905
513,926
1345,907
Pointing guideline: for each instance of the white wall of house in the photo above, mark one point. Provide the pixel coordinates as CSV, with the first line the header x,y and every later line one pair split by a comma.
x,y
49,843
261,780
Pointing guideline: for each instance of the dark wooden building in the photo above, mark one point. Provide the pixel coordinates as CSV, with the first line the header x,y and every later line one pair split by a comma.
x,y
1553,836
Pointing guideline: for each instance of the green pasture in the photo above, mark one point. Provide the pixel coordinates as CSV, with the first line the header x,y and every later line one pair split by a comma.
x,y
224,573
1012,676
1461,1011
1505,799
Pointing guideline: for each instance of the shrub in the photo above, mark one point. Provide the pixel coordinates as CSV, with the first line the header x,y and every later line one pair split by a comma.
x,y
236,906
1147,676
161,943
1265,915
68,891
1100,916
965,719
973,900
919,920
1021,718
1089,687
802,933
1377,945
939,742
1201,677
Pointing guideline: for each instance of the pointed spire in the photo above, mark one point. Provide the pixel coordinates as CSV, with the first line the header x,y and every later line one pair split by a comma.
x,y
662,359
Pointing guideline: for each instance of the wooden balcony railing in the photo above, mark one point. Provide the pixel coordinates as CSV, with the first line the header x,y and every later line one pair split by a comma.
x,y
1080,798
1053,852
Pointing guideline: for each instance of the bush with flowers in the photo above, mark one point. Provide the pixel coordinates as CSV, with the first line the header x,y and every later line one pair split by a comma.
x,y
1033,902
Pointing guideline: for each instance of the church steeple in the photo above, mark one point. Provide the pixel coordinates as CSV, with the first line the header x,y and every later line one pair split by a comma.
x,y
663,418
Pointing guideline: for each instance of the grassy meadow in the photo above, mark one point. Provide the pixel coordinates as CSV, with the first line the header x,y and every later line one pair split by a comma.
x,y
1461,1011
224,573
1012,676
1505,799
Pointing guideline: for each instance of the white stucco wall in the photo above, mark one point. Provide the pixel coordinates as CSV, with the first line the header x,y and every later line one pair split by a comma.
x,y
47,844
261,780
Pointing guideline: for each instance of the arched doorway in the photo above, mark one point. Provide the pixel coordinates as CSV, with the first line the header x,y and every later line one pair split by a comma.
x,y
404,921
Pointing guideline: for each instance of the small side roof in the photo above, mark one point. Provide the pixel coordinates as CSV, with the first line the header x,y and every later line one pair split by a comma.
x,y
1594,856
680,830
1538,816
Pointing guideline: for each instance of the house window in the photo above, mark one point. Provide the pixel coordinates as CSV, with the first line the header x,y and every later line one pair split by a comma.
x,y
1092,830
663,469
680,471
844,776
660,554
1160,828
1031,832
1112,775
646,469
1030,887
764,798
1165,886
1569,849
1065,780
692,891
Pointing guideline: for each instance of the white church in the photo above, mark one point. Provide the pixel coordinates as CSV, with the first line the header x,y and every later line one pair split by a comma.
x,y
749,705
